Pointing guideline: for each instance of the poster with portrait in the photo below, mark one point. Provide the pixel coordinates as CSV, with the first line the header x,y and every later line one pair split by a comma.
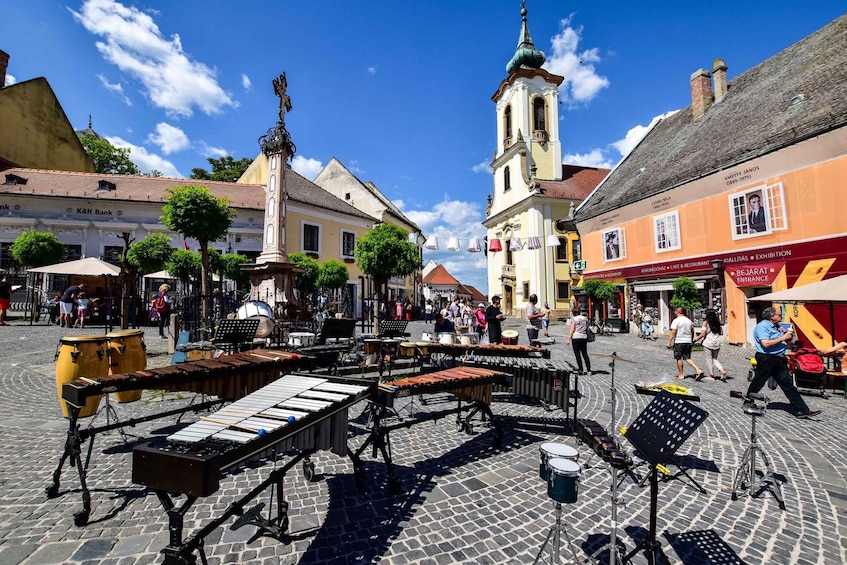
x,y
614,245
749,213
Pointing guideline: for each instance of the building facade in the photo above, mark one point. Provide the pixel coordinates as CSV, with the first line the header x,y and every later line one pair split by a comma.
x,y
742,192
531,245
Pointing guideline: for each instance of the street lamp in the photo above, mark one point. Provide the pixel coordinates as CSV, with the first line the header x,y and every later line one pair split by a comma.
x,y
717,265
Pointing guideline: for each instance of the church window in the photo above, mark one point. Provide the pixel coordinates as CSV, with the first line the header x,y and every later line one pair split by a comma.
x,y
539,110
507,179
507,118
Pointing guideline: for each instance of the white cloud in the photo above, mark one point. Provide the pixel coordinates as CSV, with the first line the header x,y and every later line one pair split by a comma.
x,y
170,139
145,160
207,150
10,80
594,158
634,135
484,167
372,70
117,88
245,82
353,167
307,167
134,43
582,83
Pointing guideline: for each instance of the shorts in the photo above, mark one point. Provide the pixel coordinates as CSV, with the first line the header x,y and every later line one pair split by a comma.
x,y
681,351
5,304
545,324
66,307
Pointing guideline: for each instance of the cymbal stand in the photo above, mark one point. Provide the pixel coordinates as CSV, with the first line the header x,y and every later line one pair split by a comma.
x,y
745,476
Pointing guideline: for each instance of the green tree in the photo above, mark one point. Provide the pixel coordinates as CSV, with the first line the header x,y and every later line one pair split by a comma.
x,y
307,281
332,275
184,266
685,294
600,291
224,169
385,252
107,158
233,270
194,212
36,249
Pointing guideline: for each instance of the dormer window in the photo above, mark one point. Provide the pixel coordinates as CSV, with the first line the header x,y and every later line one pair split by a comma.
x,y
105,185
15,179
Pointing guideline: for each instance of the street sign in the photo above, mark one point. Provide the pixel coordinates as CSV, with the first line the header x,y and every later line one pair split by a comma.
x,y
580,265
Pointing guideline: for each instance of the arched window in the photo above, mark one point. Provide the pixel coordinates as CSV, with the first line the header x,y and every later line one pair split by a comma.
x,y
507,179
539,114
507,119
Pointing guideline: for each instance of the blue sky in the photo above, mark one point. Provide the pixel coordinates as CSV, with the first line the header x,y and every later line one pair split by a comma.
x,y
400,92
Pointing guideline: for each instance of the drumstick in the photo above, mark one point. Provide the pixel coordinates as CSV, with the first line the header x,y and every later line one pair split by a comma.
x,y
228,424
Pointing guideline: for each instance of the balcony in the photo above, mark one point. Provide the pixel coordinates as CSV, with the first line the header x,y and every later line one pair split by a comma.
x,y
508,270
540,136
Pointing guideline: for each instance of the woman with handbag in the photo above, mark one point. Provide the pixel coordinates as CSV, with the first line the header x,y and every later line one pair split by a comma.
x,y
578,337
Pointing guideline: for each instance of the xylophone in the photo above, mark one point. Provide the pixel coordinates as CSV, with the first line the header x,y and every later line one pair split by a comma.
x,y
542,379
466,383
296,412
228,377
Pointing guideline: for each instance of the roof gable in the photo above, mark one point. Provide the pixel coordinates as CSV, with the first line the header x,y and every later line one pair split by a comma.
x,y
439,275
798,93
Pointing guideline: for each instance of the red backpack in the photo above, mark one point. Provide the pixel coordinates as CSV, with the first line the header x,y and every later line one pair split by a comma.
x,y
160,304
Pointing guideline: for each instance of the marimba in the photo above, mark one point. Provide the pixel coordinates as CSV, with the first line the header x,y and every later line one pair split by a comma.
x,y
545,380
228,378
471,384
296,412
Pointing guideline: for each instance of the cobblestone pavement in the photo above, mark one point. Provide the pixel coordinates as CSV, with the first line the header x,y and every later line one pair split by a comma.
x,y
462,500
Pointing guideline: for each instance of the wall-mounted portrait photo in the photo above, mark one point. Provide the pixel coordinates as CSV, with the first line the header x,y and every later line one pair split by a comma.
x,y
614,246
749,213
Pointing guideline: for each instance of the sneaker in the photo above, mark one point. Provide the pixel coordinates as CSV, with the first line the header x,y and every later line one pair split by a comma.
x,y
806,414
163,337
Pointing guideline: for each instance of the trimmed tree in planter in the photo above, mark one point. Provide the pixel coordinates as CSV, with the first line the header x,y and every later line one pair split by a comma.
x,y
599,291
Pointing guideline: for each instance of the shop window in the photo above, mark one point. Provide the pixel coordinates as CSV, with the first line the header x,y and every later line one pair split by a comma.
x,y
112,254
562,290
666,232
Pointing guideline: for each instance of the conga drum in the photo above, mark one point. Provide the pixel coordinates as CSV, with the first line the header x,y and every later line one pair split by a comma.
x,y
127,353
81,356
510,337
408,349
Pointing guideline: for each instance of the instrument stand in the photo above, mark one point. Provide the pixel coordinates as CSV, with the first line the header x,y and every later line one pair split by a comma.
x,y
111,414
745,476
555,533
658,432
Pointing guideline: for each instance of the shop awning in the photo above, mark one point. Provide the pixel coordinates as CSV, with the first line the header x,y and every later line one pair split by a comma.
x,y
666,284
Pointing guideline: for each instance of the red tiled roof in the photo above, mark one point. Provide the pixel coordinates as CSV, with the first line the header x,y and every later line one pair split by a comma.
x,y
476,295
576,184
439,275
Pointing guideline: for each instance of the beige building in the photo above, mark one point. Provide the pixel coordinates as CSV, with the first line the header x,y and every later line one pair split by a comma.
x,y
533,247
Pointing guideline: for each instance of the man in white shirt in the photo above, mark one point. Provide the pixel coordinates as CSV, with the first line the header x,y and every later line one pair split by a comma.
x,y
681,339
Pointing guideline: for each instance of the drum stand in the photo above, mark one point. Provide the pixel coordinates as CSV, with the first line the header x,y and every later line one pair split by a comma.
x,y
556,547
745,476
111,414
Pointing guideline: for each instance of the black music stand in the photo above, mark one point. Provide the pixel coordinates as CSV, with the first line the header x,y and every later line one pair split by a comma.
x,y
333,328
393,328
231,335
658,432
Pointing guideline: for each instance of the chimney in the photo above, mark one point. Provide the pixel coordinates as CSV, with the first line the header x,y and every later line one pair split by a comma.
x,y
719,76
4,64
701,93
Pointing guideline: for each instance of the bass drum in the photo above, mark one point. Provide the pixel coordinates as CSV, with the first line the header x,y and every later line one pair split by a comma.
x,y
260,310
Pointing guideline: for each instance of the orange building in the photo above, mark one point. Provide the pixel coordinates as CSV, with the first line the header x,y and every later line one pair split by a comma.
x,y
743,192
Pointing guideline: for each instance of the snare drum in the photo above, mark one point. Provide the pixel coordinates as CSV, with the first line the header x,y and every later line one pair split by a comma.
x,y
550,451
469,339
446,338
127,353
261,310
408,349
510,337
563,484
301,339
81,356
371,346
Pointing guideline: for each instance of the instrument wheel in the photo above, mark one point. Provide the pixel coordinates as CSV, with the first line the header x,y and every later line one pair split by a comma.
x,y
51,491
309,470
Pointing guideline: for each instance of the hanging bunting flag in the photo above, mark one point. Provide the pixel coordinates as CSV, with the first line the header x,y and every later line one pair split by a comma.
x,y
453,244
533,243
474,246
515,244
553,240
495,246
431,242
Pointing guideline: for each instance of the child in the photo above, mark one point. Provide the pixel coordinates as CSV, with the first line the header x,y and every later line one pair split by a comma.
x,y
81,310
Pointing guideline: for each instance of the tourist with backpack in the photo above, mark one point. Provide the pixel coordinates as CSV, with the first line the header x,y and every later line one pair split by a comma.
x,y
162,305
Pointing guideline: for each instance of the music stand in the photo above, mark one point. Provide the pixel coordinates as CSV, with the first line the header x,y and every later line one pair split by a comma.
x,y
393,328
658,432
231,334
333,328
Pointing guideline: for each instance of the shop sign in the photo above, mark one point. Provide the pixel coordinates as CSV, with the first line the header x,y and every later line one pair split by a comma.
x,y
760,274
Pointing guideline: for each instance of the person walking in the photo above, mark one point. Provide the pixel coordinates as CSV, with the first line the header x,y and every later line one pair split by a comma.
x,y
66,304
81,310
711,335
680,340
770,341
637,319
479,316
578,338
5,299
162,304
545,321
428,311
647,325
533,319
493,319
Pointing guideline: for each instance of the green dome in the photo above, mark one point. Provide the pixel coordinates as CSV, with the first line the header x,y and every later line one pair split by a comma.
x,y
526,55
